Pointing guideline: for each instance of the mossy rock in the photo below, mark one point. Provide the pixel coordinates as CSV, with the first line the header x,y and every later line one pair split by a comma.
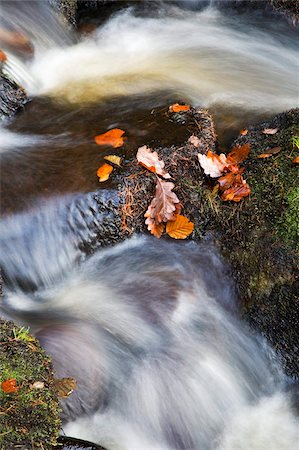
x,y
259,235
29,417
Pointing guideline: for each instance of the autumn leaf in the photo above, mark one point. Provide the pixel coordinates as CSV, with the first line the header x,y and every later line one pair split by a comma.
x,y
243,132
176,107
237,191
226,181
194,140
163,205
112,137
65,386
238,154
3,56
9,386
180,228
155,228
104,171
296,160
150,159
212,164
270,152
113,159
270,130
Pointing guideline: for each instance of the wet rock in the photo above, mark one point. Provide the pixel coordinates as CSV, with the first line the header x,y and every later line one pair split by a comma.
x,y
65,443
12,97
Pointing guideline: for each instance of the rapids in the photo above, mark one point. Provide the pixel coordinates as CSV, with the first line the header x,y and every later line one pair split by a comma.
x,y
149,329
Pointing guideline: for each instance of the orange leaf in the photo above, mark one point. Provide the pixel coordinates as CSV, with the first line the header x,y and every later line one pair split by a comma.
x,y
104,171
9,386
178,108
270,130
179,228
237,191
296,160
238,154
244,132
270,152
150,159
112,137
3,56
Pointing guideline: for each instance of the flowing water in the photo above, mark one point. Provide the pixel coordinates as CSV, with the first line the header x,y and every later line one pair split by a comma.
x,y
149,329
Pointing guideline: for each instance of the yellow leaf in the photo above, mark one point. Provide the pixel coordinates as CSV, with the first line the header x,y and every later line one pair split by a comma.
x,y
103,172
179,228
113,159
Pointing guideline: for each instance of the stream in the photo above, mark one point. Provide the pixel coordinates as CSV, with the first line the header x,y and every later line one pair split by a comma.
x,y
148,328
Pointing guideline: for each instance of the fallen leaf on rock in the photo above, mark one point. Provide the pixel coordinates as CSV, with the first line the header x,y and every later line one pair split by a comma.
x,y
226,181
37,385
194,140
163,205
65,386
270,130
113,159
9,386
270,152
112,137
212,164
150,159
296,160
176,107
3,56
104,171
180,228
238,154
237,191
155,228
244,132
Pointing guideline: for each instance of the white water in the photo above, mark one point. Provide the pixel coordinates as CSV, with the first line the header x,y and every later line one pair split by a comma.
x,y
205,56
144,328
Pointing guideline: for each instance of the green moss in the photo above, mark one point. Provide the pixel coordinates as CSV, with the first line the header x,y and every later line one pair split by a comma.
x,y
289,223
29,417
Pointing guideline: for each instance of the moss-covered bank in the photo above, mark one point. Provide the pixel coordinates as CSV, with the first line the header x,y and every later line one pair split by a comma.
x,y
29,417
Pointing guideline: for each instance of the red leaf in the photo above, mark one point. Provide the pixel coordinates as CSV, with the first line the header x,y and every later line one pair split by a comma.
x,y
237,191
9,386
296,160
3,56
150,159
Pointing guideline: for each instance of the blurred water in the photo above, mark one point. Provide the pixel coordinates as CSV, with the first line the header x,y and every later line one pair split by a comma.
x,y
146,327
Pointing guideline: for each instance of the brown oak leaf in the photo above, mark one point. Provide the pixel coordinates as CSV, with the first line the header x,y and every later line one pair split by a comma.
x,y
150,159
